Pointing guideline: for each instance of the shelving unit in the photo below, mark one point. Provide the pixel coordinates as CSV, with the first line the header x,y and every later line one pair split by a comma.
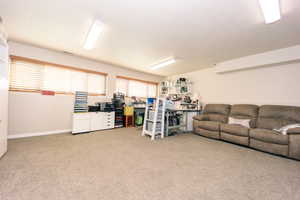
x,y
81,101
181,86
154,119
182,123
118,102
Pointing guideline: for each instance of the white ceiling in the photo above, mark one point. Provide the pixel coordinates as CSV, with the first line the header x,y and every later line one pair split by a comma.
x,y
141,32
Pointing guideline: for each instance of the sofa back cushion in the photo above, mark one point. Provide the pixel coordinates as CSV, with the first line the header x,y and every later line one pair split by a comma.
x,y
245,111
217,112
275,116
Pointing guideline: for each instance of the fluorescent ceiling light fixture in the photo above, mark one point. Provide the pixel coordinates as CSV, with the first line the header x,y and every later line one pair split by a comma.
x,y
271,10
93,35
163,63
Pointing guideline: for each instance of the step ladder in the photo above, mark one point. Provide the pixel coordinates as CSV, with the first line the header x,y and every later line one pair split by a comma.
x,y
154,119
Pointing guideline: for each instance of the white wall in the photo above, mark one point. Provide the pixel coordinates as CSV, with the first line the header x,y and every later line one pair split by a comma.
x,y
266,85
31,113
274,57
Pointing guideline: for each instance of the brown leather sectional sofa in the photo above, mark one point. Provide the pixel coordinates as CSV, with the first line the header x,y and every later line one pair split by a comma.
x,y
213,123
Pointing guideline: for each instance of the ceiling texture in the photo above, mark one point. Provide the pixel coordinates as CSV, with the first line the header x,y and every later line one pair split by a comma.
x,y
139,33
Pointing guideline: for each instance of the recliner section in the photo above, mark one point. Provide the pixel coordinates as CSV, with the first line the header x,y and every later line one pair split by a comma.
x,y
212,123
211,119
237,133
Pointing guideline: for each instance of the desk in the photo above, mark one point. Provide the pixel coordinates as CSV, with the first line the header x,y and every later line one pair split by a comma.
x,y
185,125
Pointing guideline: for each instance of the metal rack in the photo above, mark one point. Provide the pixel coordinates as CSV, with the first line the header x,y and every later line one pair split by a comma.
x,y
181,124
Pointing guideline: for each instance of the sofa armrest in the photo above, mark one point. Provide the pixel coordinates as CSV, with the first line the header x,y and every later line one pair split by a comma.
x,y
200,118
294,142
294,131
294,145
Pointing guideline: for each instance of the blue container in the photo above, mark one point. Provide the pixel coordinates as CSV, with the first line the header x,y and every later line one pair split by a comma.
x,y
150,100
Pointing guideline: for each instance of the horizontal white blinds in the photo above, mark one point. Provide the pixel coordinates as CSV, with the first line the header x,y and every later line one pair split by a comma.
x,y
136,88
78,81
25,76
152,90
96,84
56,79
122,86
35,77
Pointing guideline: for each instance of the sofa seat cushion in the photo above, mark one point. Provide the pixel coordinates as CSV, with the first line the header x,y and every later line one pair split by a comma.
x,y
235,138
209,125
235,129
269,136
207,133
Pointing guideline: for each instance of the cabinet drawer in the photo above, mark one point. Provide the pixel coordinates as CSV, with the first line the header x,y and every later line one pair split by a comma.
x,y
109,117
83,116
110,126
110,114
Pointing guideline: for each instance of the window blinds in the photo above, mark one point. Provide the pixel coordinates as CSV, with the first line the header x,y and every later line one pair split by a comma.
x,y
136,88
152,90
122,86
27,76
78,81
96,84
56,79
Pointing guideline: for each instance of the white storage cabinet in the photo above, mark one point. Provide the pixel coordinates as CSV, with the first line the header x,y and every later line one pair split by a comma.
x,y
93,121
81,122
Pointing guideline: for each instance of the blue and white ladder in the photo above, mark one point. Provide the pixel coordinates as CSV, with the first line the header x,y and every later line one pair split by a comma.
x,y
154,119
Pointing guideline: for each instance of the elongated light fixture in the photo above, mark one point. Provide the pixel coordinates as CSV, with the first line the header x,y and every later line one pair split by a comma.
x,y
93,35
271,10
163,63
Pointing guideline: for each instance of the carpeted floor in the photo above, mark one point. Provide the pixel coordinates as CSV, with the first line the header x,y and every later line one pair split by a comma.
x,y
120,164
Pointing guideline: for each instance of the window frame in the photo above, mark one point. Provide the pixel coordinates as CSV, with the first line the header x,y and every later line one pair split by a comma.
x,y
14,58
138,80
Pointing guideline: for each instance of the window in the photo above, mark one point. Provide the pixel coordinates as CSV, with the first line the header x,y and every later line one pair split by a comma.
x,y
31,75
152,90
95,84
138,89
56,79
25,76
122,86
133,87
78,81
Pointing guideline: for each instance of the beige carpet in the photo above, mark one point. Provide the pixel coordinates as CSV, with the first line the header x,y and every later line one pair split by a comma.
x,y
120,164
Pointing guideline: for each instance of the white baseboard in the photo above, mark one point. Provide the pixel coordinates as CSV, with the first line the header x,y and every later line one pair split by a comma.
x,y
24,135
